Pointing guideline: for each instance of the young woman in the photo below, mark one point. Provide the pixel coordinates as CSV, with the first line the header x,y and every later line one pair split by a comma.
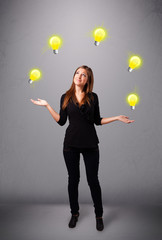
x,y
81,106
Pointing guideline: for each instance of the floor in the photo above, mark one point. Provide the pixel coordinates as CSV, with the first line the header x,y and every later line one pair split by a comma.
x,y
50,222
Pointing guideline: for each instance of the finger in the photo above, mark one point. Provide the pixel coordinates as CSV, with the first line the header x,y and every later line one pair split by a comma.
x,y
35,102
131,121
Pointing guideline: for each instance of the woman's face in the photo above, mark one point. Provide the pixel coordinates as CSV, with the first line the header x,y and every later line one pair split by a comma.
x,y
80,77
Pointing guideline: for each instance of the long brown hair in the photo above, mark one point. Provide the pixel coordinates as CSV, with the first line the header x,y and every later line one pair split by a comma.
x,y
70,94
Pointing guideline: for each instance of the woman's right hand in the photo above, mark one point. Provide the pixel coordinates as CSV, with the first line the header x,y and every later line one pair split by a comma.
x,y
40,102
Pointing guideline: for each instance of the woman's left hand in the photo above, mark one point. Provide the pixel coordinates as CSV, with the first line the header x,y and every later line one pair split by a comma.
x,y
124,119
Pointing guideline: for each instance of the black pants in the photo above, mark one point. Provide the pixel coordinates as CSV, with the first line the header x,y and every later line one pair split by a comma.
x,y
91,160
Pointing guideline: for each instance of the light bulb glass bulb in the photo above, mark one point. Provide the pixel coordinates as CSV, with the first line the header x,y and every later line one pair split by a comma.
x,y
34,75
99,35
134,62
55,42
132,100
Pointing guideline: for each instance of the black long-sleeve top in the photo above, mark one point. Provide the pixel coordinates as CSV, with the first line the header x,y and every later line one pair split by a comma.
x,y
81,132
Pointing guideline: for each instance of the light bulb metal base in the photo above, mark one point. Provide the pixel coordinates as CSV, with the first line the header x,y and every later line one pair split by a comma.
x,y
55,51
132,107
130,69
30,81
96,43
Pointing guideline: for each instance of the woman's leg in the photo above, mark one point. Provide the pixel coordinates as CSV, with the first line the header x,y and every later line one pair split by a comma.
x,y
91,160
72,160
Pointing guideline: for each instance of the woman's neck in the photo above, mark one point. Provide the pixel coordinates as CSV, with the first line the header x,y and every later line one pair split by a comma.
x,y
79,90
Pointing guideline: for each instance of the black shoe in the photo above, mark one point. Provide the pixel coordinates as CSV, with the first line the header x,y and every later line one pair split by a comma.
x,y
73,221
99,224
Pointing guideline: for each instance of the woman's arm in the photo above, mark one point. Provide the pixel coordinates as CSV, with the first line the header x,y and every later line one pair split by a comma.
x,y
54,114
44,103
59,118
121,118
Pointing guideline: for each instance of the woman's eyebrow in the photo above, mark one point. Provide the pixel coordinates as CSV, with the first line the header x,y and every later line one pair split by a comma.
x,y
81,72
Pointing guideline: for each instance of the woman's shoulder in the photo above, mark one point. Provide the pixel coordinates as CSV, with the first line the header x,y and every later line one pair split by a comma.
x,y
95,95
63,95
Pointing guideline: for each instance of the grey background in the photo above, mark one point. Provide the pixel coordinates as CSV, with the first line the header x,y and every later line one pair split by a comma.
x,y
32,167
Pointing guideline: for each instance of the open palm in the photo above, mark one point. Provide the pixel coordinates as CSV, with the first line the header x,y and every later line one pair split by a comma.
x,y
125,119
39,102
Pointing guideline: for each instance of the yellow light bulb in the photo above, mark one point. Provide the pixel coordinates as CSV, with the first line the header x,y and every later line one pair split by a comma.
x,y
99,35
34,75
134,62
55,42
132,99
